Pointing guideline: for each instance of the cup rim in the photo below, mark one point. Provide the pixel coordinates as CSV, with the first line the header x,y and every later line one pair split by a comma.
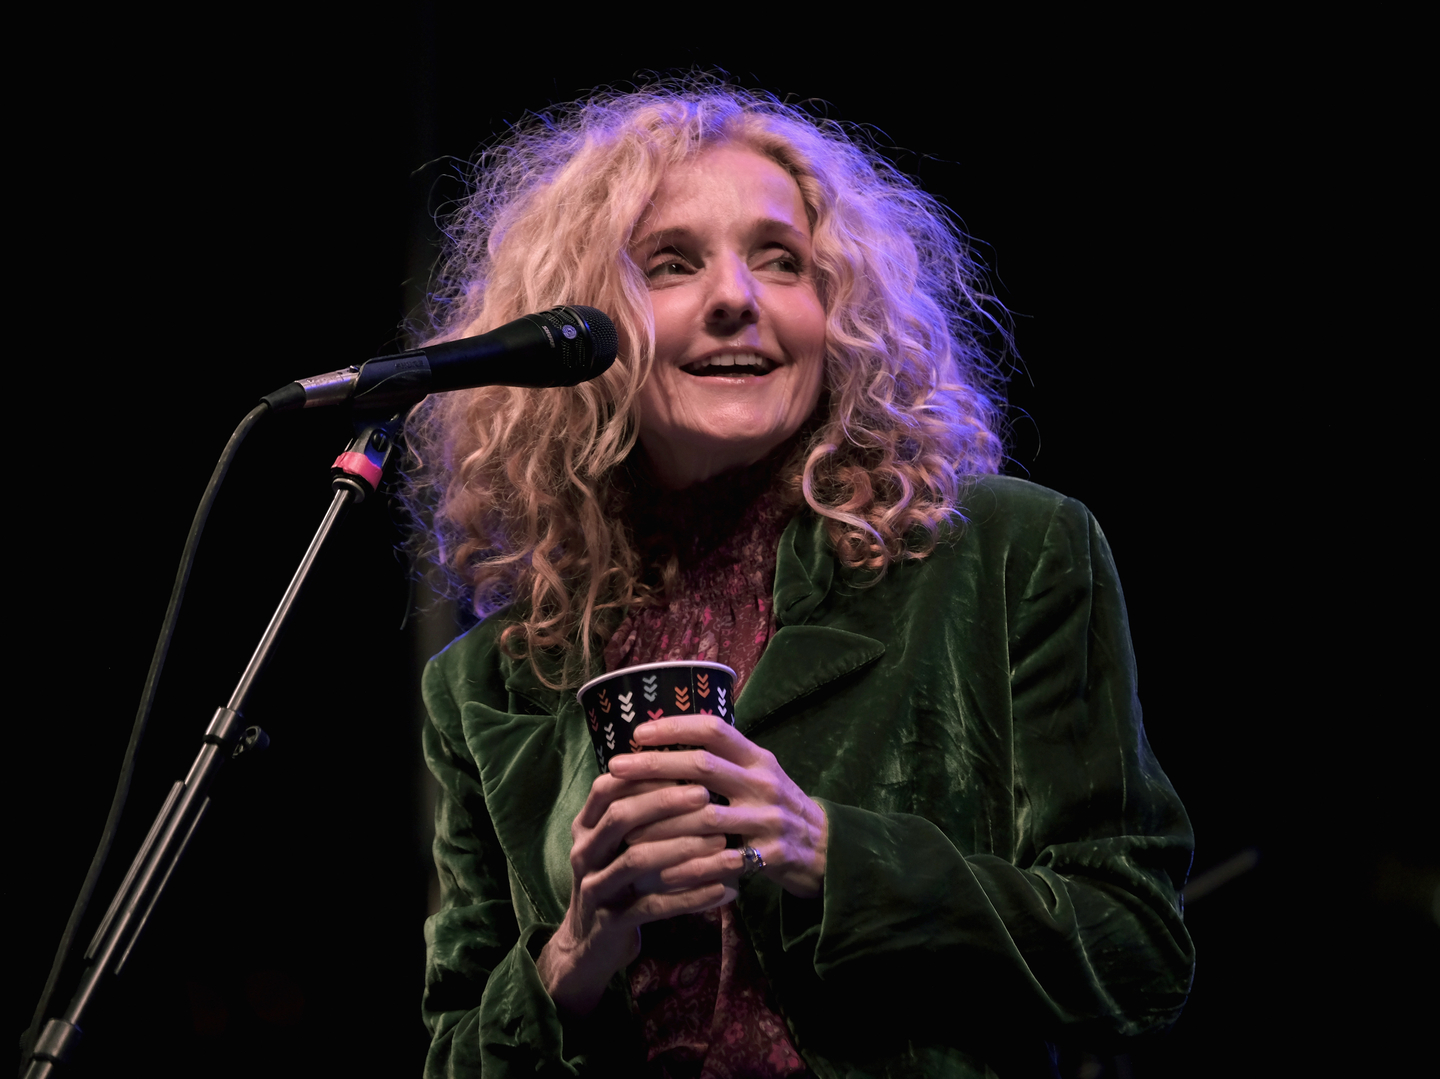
x,y
652,667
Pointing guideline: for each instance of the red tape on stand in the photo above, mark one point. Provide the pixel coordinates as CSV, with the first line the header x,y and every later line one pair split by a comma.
x,y
357,464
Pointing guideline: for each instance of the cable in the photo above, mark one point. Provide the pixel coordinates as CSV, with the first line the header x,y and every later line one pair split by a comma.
x,y
137,733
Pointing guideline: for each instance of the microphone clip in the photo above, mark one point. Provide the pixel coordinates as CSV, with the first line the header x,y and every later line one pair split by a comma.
x,y
361,466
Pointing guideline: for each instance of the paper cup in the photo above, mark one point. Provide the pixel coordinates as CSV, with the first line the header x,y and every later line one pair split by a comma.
x,y
616,703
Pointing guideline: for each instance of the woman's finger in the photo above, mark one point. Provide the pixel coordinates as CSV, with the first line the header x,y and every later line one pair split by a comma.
x,y
706,820
608,789
637,870
752,822
722,865
658,906
700,766
710,732
634,804
593,848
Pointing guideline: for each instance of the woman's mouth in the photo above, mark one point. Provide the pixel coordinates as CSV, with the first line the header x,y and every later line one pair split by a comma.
x,y
732,365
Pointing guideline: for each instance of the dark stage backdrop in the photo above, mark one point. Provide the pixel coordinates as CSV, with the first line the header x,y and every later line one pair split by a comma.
x,y
208,221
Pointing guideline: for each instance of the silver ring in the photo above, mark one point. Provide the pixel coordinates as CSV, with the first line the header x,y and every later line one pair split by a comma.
x,y
753,863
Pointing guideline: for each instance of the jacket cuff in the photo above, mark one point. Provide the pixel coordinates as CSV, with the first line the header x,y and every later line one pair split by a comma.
x,y
800,919
894,884
525,1030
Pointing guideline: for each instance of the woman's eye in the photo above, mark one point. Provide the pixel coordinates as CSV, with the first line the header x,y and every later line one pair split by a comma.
x,y
785,262
668,268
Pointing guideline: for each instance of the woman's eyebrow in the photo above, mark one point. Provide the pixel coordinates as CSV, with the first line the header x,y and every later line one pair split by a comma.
x,y
654,241
774,224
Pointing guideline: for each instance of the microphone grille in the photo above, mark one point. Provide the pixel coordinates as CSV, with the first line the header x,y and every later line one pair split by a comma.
x,y
602,334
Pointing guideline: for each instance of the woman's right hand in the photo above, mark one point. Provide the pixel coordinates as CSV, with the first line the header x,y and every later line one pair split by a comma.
x,y
614,893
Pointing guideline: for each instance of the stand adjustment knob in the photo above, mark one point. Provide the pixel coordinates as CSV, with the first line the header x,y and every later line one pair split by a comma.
x,y
251,740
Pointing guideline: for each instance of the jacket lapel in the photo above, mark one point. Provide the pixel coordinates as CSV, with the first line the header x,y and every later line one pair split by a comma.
x,y
798,661
536,767
801,658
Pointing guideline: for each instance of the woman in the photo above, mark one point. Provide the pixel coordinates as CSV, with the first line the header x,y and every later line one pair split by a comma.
x,y
955,843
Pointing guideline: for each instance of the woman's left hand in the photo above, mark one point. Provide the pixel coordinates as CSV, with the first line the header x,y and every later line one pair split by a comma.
x,y
767,810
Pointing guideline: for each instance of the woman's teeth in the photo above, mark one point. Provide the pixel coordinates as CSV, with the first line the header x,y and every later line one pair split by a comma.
x,y
745,363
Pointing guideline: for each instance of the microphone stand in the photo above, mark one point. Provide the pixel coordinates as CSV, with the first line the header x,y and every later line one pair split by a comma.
x,y
357,473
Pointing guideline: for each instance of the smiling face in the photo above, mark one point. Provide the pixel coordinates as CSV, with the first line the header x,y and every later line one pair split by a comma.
x,y
739,327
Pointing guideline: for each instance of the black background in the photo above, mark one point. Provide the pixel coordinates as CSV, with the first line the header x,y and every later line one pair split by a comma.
x,y
1204,271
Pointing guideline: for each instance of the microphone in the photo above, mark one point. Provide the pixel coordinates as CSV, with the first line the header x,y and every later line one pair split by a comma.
x,y
563,346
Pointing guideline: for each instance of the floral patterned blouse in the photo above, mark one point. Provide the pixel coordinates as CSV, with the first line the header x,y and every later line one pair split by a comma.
x,y
706,1008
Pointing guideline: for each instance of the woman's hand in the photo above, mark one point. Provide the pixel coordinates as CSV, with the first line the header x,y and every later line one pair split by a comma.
x,y
615,892
767,810
675,861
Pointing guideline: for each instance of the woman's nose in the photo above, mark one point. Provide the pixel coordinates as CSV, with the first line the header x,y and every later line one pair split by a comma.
x,y
732,302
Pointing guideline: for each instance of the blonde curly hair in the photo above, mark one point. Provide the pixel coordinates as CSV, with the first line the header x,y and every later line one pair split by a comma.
x,y
519,486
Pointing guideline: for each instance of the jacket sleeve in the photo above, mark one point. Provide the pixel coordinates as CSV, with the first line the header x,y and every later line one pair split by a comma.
x,y
1064,913
485,1006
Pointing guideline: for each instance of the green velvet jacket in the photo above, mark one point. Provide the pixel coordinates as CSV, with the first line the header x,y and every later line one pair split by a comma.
x,y
1004,850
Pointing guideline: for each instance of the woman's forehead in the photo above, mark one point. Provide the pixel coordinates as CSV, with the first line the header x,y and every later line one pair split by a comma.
x,y
726,186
